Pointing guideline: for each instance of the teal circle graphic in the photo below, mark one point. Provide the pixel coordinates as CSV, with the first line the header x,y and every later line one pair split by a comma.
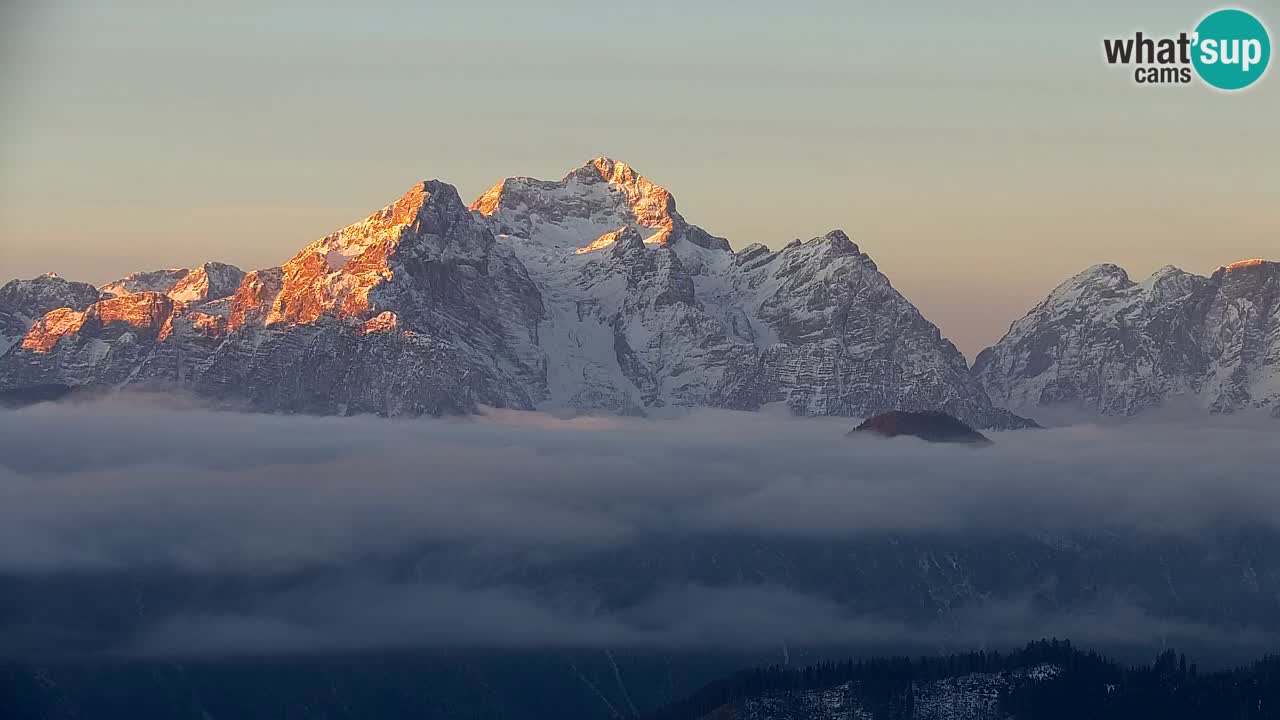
x,y
1232,49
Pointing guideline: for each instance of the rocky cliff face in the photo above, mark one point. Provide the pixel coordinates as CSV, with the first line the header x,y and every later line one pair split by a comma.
x,y
1104,344
591,293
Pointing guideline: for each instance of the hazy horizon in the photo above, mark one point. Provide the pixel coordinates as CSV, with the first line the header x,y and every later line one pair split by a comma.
x,y
980,158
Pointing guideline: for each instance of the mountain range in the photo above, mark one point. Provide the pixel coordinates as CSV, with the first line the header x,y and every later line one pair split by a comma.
x,y
593,294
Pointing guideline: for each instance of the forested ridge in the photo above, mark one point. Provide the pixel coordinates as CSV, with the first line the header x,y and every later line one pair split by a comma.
x,y
1085,684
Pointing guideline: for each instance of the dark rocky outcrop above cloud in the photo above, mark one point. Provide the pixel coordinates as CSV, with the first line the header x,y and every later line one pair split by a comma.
x,y
936,427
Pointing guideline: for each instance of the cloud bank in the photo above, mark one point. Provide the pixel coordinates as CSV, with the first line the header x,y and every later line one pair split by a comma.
x,y
524,530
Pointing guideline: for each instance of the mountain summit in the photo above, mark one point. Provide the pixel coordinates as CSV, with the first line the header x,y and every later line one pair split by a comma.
x,y
646,310
1102,343
585,210
585,294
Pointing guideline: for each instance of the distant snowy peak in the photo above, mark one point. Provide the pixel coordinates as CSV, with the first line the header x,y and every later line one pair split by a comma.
x,y
23,302
1105,290
210,281
586,209
39,295
1103,343
161,281
428,209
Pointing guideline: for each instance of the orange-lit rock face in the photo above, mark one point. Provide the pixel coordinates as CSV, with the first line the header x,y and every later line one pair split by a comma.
x,y
45,332
335,274
338,275
1242,264
140,310
385,321
488,201
601,242
194,287
146,310
210,281
254,297
651,203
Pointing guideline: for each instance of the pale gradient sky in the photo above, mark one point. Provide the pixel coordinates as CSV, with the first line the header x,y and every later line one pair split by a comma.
x,y
979,152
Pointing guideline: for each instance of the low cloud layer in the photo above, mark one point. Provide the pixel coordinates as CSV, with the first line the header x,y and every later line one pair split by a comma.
x,y
354,616
488,522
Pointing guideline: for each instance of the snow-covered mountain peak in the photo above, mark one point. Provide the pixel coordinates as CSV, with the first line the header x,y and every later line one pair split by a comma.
x,y
1102,343
1109,286
606,169
839,241
645,310
210,281
428,207
22,302
1103,276
1165,272
335,275
580,212
49,286
144,281
1170,282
